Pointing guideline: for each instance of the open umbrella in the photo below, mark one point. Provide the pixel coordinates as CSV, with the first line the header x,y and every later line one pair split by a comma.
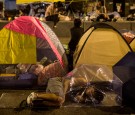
x,y
31,1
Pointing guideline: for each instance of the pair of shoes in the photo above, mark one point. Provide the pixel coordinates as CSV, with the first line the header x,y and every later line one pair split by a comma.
x,y
31,97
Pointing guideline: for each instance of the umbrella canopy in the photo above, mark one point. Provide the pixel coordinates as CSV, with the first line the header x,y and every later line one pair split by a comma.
x,y
31,1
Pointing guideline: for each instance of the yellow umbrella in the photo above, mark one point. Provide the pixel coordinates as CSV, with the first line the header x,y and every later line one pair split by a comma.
x,y
76,0
31,1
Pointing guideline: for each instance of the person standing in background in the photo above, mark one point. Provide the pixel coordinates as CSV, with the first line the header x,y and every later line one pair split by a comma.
x,y
52,12
76,33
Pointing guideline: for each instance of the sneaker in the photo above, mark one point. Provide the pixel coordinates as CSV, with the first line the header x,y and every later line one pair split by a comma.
x,y
31,97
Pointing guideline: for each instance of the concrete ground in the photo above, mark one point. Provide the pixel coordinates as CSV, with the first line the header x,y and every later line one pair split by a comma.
x,y
10,100
61,111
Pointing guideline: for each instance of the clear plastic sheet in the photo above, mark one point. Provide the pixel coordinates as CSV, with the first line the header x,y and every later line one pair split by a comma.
x,y
93,85
128,35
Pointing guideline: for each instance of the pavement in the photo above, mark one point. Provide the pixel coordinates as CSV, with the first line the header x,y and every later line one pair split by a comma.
x,y
62,111
11,99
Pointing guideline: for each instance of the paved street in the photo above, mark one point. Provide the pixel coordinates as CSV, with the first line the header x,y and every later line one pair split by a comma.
x,y
10,99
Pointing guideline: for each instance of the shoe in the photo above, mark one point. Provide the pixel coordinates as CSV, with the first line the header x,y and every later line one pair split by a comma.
x,y
31,97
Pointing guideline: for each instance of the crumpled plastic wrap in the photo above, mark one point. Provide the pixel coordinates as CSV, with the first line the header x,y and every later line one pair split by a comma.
x,y
94,85
128,35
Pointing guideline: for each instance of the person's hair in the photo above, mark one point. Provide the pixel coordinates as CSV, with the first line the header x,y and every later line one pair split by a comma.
x,y
98,95
55,4
101,2
58,4
77,22
101,17
34,67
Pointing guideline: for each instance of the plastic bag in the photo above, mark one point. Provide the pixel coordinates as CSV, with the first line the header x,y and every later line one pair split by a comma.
x,y
93,85
128,35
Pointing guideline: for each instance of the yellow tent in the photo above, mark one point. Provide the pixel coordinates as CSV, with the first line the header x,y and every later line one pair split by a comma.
x,y
30,1
101,44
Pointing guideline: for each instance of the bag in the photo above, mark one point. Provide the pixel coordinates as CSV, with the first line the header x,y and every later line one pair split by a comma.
x,y
27,76
52,70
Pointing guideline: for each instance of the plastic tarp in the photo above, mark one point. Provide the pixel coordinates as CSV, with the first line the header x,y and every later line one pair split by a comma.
x,y
99,77
128,35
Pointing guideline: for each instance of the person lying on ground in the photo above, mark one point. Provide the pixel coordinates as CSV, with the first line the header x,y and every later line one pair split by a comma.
x,y
59,87
43,73
48,76
53,96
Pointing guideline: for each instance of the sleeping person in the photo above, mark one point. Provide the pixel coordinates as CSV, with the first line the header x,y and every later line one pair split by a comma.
x,y
59,87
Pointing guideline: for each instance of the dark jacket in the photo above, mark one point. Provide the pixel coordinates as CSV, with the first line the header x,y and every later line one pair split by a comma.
x,y
76,33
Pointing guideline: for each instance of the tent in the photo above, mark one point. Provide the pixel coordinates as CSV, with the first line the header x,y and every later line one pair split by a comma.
x,y
132,45
31,1
101,44
26,40
125,67
33,38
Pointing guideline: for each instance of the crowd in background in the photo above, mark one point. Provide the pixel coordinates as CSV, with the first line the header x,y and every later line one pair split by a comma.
x,y
66,11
